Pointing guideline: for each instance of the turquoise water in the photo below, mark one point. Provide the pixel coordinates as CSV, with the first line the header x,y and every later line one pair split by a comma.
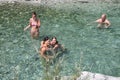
x,y
97,48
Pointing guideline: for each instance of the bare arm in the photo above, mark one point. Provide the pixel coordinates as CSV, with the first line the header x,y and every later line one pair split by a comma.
x,y
28,25
98,20
108,23
56,46
41,44
42,52
39,23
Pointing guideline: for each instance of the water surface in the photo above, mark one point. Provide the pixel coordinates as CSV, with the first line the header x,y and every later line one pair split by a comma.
x,y
97,48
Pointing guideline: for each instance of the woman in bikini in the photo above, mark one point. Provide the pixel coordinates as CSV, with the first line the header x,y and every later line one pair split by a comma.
x,y
34,23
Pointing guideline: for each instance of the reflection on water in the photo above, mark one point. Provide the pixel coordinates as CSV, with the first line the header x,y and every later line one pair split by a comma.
x,y
98,47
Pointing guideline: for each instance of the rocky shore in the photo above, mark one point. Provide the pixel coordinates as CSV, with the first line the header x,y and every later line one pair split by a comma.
x,y
85,75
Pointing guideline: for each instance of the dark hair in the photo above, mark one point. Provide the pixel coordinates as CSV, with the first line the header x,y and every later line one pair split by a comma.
x,y
56,40
34,13
46,38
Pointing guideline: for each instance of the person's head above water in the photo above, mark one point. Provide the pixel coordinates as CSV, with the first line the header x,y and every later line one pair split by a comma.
x,y
54,40
103,17
46,40
34,15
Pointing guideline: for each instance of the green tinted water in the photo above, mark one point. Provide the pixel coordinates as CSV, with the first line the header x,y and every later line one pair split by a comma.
x,y
99,48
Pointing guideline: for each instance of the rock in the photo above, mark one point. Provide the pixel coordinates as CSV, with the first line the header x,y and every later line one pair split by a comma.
x,y
85,75
96,76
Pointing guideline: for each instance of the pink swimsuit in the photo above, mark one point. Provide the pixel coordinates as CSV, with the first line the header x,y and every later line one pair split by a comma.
x,y
34,24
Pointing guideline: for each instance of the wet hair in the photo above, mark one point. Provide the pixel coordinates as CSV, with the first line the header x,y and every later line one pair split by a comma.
x,y
55,39
46,38
34,13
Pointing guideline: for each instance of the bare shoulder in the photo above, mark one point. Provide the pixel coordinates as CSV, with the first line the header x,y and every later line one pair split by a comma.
x,y
98,20
42,43
30,19
43,48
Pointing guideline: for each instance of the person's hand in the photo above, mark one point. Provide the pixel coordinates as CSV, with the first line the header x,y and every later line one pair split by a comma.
x,y
24,29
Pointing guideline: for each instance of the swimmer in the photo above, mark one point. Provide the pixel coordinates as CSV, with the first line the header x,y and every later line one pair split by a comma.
x,y
34,23
55,45
43,41
103,22
45,47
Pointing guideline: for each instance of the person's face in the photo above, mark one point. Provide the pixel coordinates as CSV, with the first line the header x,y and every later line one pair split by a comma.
x,y
103,17
33,16
47,42
53,41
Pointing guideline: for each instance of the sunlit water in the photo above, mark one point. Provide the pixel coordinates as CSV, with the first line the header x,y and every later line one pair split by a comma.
x,y
98,49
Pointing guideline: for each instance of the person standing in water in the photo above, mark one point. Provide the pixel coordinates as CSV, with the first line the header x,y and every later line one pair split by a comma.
x,y
103,22
34,23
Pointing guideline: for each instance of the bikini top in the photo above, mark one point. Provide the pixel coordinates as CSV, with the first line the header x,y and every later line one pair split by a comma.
x,y
33,24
